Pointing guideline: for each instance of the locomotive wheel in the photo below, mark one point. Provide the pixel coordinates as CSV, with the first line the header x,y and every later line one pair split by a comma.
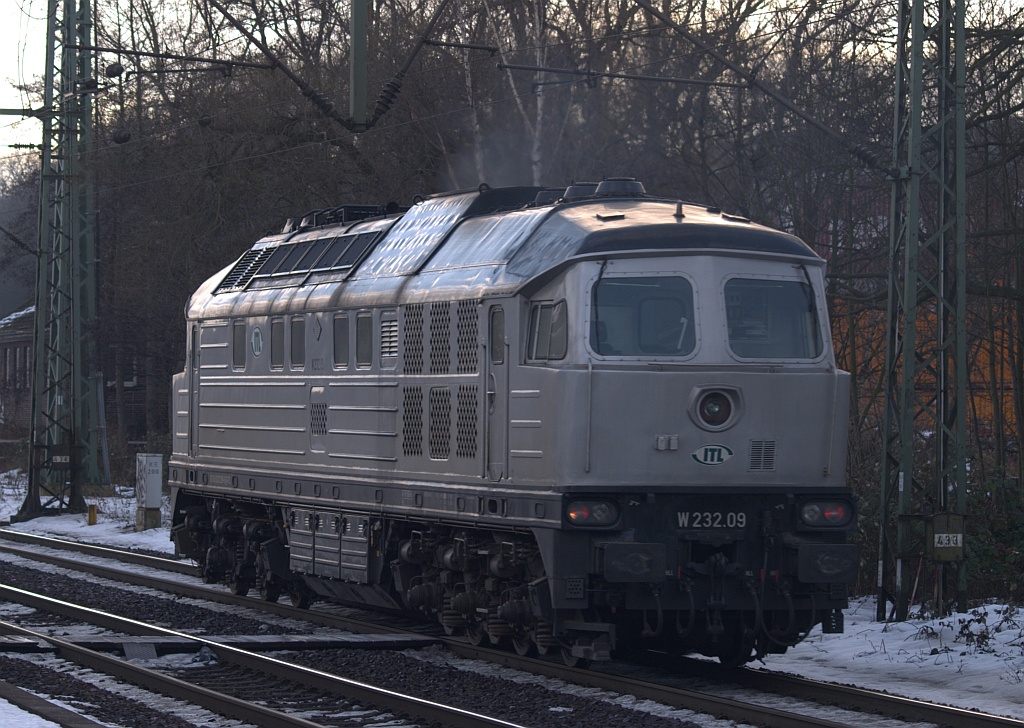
x,y
571,660
737,653
239,587
476,634
522,644
300,599
498,640
542,639
270,593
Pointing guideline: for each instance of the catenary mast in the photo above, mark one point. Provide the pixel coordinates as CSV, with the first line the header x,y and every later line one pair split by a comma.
x,y
65,383
924,468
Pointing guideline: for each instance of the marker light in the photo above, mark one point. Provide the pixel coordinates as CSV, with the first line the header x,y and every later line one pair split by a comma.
x,y
591,513
819,514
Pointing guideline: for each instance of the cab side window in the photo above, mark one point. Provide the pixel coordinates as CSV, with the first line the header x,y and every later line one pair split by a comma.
x,y
549,331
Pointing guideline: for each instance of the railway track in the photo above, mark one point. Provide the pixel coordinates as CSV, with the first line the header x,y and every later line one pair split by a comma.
x,y
241,684
608,678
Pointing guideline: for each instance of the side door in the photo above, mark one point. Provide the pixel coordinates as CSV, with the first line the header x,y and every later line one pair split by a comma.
x,y
496,386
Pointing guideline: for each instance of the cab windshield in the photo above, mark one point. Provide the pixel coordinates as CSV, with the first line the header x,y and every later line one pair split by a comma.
x,y
642,316
772,319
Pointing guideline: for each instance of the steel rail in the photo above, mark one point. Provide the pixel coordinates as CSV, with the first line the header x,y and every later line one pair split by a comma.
x,y
164,684
193,591
32,703
688,699
131,557
351,690
723,708
691,700
820,692
907,708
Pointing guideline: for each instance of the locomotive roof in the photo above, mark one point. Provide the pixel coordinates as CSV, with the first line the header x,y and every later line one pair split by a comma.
x,y
466,244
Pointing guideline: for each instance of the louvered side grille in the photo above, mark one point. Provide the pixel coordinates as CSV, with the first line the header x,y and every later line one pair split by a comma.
x,y
388,339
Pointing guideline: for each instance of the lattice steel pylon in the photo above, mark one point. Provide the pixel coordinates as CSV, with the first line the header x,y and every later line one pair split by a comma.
x,y
924,468
65,404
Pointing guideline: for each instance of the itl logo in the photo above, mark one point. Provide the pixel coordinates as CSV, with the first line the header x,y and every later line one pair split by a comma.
x,y
711,454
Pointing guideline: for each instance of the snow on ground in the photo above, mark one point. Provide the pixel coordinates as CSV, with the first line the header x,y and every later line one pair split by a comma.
x,y
12,715
973,660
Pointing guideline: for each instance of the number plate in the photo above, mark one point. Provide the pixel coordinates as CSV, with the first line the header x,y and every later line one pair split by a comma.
x,y
711,519
949,540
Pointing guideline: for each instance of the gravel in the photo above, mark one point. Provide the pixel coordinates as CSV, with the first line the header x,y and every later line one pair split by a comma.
x,y
523,703
172,613
518,702
96,703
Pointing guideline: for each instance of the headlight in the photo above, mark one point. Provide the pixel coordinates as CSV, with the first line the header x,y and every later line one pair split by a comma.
x,y
715,408
826,513
591,513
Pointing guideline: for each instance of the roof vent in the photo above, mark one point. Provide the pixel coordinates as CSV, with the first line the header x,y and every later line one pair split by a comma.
x,y
620,187
548,195
579,190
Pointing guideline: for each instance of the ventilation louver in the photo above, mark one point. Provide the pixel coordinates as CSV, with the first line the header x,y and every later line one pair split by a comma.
x,y
244,270
762,454
388,339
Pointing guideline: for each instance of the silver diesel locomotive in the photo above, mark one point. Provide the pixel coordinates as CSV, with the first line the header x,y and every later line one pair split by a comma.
x,y
580,421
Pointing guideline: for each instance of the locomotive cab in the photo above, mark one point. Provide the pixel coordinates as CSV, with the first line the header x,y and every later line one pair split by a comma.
x,y
689,409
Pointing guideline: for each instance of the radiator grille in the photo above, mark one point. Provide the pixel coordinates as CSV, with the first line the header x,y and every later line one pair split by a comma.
x,y
440,439
468,348
440,337
414,339
412,421
466,417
